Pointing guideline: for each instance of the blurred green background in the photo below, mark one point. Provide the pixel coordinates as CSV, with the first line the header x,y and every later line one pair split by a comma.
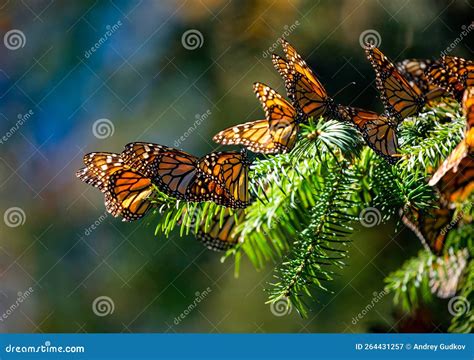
x,y
152,83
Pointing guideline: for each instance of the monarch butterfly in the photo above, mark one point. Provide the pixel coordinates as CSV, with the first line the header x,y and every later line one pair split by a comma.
x,y
400,99
220,235
230,169
303,88
126,191
379,131
430,227
276,134
220,177
455,177
414,71
453,74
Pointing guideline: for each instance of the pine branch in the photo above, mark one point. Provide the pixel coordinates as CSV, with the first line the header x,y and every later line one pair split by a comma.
x,y
319,247
288,186
424,276
430,137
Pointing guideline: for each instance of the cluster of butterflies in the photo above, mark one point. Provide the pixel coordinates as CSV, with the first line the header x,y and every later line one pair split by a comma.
x,y
128,179
454,180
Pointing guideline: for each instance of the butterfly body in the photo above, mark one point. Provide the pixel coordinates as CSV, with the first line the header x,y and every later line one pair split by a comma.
x,y
379,131
304,89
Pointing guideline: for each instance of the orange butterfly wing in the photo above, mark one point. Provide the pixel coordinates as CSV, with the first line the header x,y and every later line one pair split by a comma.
x,y
126,191
455,177
304,88
378,131
468,107
221,236
128,194
230,170
254,135
461,68
430,227
277,134
399,97
281,116
99,167
174,172
141,156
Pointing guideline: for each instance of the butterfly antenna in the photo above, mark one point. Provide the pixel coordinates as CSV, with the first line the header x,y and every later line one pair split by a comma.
x,y
344,88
